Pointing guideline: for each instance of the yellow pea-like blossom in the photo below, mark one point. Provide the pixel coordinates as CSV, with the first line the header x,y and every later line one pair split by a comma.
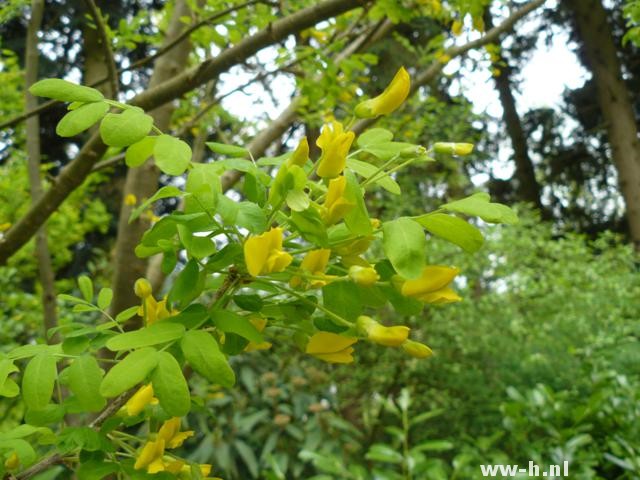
x,y
300,154
314,263
263,253
416,349
335,144
171,434
152,310
456,27
433,285
365,276
336,206
331,347
378,333
139,400
389,100
150,456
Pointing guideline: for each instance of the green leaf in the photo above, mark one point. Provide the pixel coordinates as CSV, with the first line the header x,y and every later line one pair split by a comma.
x,y
84,377
172,155
164,192
404,243
297,200
234,323
6,367
129,372
383,453
248,457
156,333
198,247
373,136
105,295
170,386
310,225
433,446
9,389
86,287
204,355
139,152
203,183
228,150
187,285
342,298
80,119
367,170
479,205
453,229
38,381
23,449
65,91
357,219
387,150
127,314
126,128
96,470
251,217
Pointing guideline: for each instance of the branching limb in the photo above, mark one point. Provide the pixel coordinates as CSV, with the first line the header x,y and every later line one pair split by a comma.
x,y
112,71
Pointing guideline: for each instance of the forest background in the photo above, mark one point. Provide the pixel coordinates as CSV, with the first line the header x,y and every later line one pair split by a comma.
x,y
539,361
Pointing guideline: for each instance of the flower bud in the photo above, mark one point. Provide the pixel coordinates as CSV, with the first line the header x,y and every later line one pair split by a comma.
x,y
461,149
142,288
365,276
12,462
377,333
416,349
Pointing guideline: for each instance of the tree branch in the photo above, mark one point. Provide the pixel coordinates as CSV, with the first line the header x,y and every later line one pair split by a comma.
x,y
112,71
76,171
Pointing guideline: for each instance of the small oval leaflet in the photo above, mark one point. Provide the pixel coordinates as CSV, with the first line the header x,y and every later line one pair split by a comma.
x,y
160,332
170,386
129,372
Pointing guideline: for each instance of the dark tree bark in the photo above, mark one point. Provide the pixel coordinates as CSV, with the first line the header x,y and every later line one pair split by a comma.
x,y
527,187
601,56
43,255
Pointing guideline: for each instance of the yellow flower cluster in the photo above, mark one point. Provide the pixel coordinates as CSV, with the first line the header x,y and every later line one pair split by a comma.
x,y
151,309
152,456
335,144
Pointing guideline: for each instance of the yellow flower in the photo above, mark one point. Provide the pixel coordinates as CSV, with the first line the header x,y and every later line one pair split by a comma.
x,y
336,205
365,276
377,333
151,456
260,324
263,253
331,348
130,199
416,349
170,433
433,285
389,100
335,145
300,154
461,149
12,462
152,310
314,263
139,400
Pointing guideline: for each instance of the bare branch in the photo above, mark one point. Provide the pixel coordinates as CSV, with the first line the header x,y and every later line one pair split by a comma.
x,y
112,71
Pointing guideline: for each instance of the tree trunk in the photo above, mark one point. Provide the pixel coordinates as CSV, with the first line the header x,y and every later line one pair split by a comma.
x,y
143,181
43,255
601,57
527,187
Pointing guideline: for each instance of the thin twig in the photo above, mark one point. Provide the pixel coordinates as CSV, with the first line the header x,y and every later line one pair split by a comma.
x,y
112,71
